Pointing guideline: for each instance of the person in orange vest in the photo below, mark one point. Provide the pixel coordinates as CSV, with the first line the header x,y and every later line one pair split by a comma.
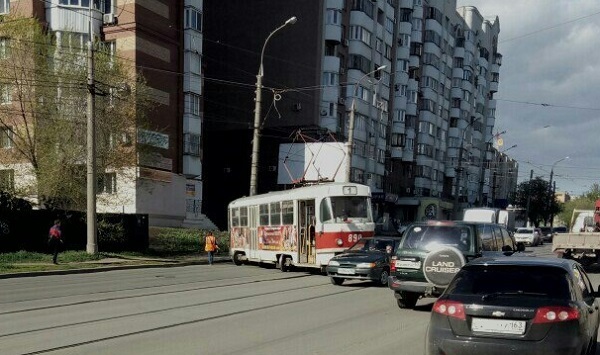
x,y
210,246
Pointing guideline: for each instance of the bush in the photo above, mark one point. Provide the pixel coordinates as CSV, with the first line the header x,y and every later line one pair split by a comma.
x,y
111,236
181,241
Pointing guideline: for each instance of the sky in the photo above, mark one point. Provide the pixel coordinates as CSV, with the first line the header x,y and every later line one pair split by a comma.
x,y
548,98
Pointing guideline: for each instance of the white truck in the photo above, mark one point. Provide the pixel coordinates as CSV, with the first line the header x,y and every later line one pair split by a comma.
x,y
490,215
583,242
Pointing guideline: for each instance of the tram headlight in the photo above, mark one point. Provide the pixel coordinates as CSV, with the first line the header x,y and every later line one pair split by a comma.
x,y
339,242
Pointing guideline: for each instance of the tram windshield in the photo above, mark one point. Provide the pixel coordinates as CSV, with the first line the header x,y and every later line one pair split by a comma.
x,y
347,209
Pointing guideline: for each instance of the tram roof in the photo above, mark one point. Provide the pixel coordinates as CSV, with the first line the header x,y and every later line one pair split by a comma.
x,y
300,192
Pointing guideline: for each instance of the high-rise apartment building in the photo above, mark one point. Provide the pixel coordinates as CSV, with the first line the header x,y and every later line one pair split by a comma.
x,y
163,41
422,74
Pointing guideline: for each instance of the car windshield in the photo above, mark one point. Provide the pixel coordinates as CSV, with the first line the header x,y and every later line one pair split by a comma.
x,y
349,208
430,237
370,244
511,280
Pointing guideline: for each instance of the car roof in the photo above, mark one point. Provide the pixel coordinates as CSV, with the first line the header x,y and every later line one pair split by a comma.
x,y
565,264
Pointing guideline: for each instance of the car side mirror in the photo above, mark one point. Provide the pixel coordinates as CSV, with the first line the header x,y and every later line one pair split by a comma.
x,y
520,247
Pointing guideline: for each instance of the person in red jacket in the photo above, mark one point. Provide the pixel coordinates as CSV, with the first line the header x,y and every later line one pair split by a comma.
x,y
210,246
55,240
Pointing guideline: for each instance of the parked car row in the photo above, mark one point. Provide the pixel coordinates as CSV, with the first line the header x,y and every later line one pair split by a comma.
x,y
491,296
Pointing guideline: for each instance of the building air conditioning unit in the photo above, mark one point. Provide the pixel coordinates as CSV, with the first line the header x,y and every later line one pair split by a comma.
x,y
341,101
109,19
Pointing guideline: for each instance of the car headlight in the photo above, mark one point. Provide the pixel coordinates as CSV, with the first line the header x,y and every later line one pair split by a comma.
x,y
334,263
366,265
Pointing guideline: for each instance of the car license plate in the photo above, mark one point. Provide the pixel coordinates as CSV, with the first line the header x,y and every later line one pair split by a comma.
x,y
408,264
342,271
500,326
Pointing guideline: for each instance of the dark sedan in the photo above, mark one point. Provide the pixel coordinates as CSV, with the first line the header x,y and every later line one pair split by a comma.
x,y
523,305
368,259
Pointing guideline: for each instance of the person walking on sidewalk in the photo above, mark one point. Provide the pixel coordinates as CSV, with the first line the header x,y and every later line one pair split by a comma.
x,y
55,240
210,246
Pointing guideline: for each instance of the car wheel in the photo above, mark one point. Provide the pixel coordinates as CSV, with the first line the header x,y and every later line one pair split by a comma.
x,y
337,281
383,278
408,299
236,259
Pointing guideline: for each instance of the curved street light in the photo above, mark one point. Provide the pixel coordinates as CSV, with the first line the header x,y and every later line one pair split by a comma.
x,y
509,148
257,108
350,141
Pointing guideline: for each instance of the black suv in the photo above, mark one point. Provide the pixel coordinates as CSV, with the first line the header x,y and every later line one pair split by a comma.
x,y
431,253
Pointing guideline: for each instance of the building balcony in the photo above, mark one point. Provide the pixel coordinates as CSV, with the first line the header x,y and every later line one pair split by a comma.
x,y
493,86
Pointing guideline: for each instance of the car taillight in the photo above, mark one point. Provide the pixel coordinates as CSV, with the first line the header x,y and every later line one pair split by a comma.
x,y
555,314
393,264
450,308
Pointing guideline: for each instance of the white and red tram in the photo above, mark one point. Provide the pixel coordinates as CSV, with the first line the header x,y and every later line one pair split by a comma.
x,y
305,226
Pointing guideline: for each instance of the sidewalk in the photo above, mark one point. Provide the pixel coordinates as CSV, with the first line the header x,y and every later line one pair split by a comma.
x,y
108,264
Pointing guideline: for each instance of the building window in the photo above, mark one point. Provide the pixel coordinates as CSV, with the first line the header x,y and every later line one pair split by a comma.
x,y
6,138
192,104
191,144
361,34
5,94
193,19
4,47
330,79
389,24
102,5
4,6
334,17
7,179
107,183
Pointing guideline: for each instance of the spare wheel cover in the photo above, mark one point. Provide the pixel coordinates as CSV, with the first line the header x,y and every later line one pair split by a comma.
x,y
442,264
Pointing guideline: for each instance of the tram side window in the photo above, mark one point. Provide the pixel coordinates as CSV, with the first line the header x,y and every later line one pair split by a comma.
x,y
276,213
244,216
264,214
326,215
287,212
235,217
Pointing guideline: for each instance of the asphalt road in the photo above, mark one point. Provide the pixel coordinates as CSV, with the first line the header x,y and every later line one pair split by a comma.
x,y
219,309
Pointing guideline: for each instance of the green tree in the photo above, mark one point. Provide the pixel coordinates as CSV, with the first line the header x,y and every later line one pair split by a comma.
x,y
43,82
542,205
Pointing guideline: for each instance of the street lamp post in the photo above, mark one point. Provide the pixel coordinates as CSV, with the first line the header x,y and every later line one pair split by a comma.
x,y
350,140
551,190
257,108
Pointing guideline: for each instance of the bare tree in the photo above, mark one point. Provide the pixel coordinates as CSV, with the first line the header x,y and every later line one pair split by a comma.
x,y
43,110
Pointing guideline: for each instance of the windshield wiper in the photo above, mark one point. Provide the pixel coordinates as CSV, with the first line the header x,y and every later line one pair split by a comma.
x,y
511,293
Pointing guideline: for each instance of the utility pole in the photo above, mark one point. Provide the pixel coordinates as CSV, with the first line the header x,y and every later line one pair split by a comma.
x,y
92,245
458,174
528,198
257,110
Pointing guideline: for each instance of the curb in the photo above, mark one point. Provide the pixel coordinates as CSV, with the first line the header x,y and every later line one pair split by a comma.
x,y
162,264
